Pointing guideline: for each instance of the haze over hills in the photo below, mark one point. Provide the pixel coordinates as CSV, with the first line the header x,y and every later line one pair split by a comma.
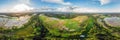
x,y
21,8
78,6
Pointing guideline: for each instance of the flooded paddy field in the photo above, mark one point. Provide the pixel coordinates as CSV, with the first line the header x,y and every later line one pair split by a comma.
x,y
60,25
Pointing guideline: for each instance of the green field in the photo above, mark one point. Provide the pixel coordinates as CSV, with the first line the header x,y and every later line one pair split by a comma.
x,y
64,26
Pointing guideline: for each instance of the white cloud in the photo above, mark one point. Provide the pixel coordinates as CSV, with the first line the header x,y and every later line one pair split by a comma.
x,y
64,9
84,10
18,8
21,7
18,5
76,9
104,2
57,1
60,9
24,1
95,10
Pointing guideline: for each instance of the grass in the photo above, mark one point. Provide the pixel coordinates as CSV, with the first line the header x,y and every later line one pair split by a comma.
x,y
50,27
25,32
66,26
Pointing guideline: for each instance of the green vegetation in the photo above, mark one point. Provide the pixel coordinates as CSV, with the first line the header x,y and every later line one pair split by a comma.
x,y
28,31
63,26
67,27
113,31
101,31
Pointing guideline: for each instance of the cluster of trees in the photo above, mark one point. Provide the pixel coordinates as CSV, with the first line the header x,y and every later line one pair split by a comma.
x,y
35,29
27,31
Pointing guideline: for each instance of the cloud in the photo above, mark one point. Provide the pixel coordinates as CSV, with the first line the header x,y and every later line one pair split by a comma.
x,y
96,10
18,8
18,5
57,1
83,10
64,9
76,9
21,7
25,1
104,2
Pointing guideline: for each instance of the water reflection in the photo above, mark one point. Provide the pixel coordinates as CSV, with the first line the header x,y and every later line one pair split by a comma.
x,y
9,22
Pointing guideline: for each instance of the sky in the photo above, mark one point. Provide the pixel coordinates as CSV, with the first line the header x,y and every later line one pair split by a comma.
x,y
60,5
